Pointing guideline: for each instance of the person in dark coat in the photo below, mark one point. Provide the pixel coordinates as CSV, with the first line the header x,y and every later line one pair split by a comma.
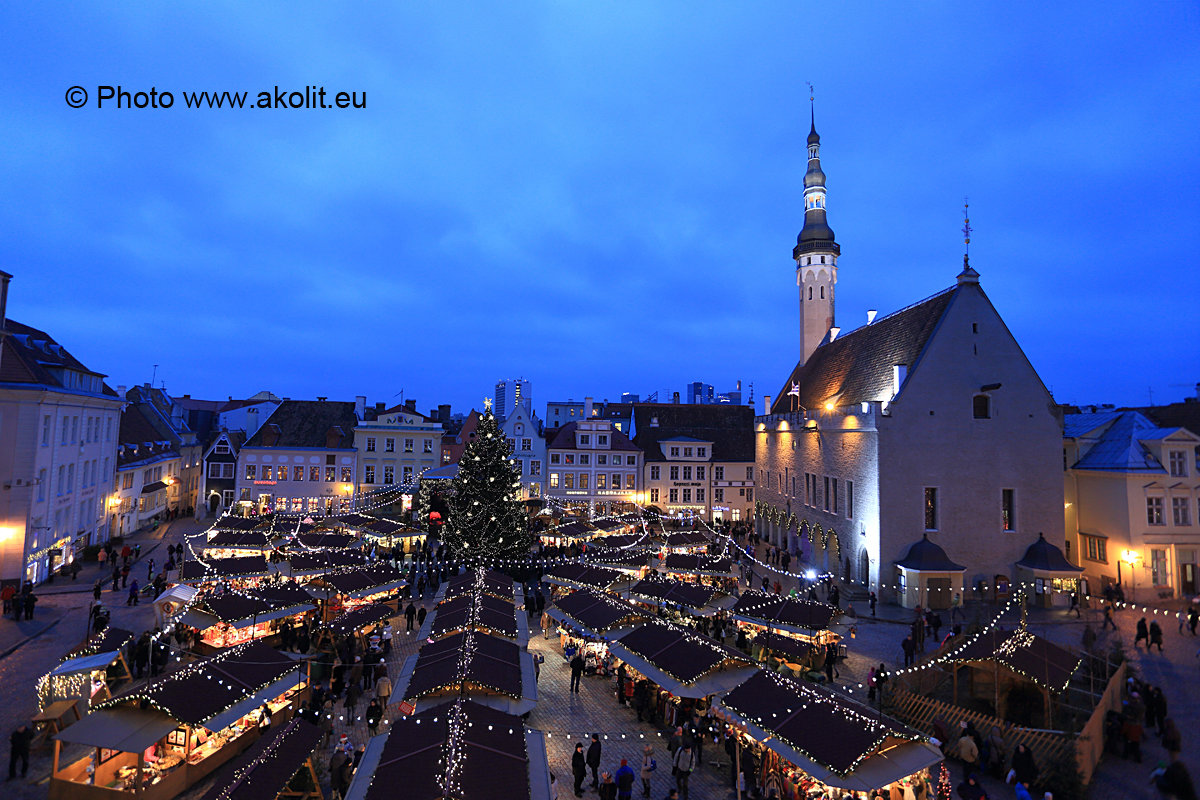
x,y
339,767
31,600
1023,765
409,613
19,743
421,613
1156,636
576,672
621,678
909,648
374,715
579,768
593,758
1142,633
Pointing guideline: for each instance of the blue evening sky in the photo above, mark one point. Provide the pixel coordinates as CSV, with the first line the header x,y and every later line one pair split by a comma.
x,y
601,197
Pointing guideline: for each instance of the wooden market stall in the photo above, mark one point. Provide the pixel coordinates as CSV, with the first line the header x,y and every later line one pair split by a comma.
x,y
240,572
574,575
685,542
230,618
486,612
808,740
90,673
358,622
693,598
493,671
156,741
279,765
342,590
807,622
480,752
238,544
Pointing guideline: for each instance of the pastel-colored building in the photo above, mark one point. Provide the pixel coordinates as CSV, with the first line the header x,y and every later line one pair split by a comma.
x,y
58,447
1132,505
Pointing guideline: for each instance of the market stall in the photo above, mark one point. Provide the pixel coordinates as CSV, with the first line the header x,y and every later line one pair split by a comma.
x,y
685,542
461,749
704,568
172,602
279,765
494,583
358,621
485,612
238,544
809,741
596,614
158,740
238,572
318,562
489,670
573,575
680,661
806,620
90,672
326,540
227,619
693,598
342,590
574,531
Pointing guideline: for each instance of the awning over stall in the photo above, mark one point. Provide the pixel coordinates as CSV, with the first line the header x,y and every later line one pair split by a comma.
x,y
831,738
265,770
783,613
129,730
684,663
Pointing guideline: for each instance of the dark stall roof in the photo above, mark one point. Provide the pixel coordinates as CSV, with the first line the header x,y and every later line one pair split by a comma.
x,y
491,753
494,663
265,769
681,654
686,539
239,538
494,614
827,728
234,523
106,641
772,608
598,612
584,575
697,564
358,618
1028,654
326,560
326,541
362,580
689,595
494,583
197,693
217,568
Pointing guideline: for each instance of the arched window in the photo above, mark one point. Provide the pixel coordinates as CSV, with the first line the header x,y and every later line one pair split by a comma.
x,y
822,292
981,407
810,293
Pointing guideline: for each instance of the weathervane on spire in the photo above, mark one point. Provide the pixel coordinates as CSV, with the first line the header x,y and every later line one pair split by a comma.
x,y
966,229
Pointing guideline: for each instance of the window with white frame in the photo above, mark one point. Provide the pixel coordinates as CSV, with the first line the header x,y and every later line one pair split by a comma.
x,y
673,496
629,481
674,452
389,444
1181,511
674,473
1158,568
1177,460
369,473
1154,511
654,495
389,473
655,473
718,473
427,446
408,445
718,495
370,444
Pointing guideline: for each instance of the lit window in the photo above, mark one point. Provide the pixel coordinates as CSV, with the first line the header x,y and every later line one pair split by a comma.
x,y
1154,511
931,508
1008,509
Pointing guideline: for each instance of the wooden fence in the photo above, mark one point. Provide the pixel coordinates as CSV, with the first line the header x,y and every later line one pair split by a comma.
x,y
1086,748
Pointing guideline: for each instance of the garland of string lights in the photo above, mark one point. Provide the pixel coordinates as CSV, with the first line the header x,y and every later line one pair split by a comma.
x,y
874,724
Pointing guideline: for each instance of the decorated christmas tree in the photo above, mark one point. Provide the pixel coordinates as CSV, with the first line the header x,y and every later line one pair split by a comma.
x,y
487,518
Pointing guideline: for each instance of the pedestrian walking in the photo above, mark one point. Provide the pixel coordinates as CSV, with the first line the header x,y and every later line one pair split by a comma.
x,y
30,602
873,601
19,743
421,614
593,758
684,763
1142,633
1108,617
409,614
546,625
909,649
133,594
373,716
1193,618
124,576
649,767
622,674
1156,636
576,672
149,570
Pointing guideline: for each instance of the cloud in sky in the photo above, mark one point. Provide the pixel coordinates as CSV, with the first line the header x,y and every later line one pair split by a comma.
x,y
599,198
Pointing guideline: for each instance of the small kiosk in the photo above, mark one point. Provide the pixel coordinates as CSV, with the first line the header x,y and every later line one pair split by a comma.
x,y
156,741
89,673
1053,578
927,577
279,765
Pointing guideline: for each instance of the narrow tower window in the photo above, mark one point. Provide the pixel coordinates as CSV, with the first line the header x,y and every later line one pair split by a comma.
x,y
810,293
822,288
981,406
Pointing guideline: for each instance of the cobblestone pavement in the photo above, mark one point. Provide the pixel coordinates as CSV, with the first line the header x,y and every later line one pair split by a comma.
x,y
569,718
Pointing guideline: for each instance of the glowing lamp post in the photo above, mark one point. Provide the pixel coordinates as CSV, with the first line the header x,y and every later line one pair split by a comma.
x,y
1131,557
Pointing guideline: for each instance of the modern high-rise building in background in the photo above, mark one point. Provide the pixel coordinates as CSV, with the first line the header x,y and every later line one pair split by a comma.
x,y
509,394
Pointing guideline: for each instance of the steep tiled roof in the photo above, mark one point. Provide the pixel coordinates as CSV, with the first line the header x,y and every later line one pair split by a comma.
x,y
563,438
1175,415
1076,425
30,355
308,423
1119,448
857,367
730,428
139,438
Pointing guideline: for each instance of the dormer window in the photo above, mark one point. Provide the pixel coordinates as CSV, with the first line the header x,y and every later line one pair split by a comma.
x,y
981,406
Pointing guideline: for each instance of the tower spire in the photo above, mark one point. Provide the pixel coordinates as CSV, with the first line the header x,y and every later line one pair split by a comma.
x,y
968,274
816,251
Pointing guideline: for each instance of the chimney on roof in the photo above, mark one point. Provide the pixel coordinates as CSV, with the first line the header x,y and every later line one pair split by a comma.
x,y
360,405
380,407
587,407
675,398
121,391
766,404
443,412
871,315
4,279
411,405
